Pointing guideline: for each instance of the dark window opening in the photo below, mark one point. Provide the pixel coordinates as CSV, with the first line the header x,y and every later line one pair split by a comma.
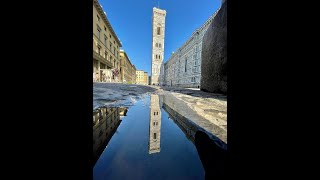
x,y
185,67
99,49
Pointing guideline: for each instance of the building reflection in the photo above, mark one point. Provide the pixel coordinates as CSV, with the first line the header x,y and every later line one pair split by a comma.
x,y
105,123
187,127
154,125
212,150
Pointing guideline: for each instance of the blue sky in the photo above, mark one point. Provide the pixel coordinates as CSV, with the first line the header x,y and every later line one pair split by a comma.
x,y
132,22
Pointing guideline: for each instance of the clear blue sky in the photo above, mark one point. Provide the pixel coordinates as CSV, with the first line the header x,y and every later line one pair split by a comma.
x,y
132,22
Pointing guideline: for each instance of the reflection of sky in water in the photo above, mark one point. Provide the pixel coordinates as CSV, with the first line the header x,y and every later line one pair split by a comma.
x,y
127,155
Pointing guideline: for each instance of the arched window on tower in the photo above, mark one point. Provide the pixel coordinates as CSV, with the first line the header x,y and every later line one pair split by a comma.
x,y
158,30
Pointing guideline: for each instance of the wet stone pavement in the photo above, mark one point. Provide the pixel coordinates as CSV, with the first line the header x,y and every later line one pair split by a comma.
x,y
149,139
208,110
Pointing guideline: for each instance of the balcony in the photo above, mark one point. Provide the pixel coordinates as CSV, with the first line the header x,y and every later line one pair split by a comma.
x,y
101,59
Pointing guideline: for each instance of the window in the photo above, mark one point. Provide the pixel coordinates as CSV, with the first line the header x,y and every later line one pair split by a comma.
x,y
102,66
98,31
105,28
99,48
114,50
159,45
193,79
105,40
106,55
110,46
98,18
158,30
110,36
154,135
185,65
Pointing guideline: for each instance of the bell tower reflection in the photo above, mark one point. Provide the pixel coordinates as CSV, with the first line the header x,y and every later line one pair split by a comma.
x,y
154,125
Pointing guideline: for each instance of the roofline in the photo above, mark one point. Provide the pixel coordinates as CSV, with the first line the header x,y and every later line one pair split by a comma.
x,y
104,17
122,51
194,32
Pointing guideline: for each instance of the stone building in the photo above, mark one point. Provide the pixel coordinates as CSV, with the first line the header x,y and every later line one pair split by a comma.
x,y
127,70
155,124
214,69
106,46
141,77
158,31
105,123
134,74
146,79
183,69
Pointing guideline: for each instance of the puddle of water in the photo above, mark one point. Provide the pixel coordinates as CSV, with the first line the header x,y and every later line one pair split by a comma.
x,y
150,141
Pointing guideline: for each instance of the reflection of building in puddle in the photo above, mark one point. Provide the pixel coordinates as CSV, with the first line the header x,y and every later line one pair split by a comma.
x,y
188,128
105,124
154,125
212,150
186,111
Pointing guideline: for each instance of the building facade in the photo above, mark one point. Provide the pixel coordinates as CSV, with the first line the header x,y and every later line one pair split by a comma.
x,y
105,123
142,77
158,31
183,69
106,46
126,70
146,79
134,74
154,124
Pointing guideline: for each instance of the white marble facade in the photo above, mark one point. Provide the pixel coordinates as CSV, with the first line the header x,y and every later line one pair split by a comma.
x,y
158,31
154,124
183,69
